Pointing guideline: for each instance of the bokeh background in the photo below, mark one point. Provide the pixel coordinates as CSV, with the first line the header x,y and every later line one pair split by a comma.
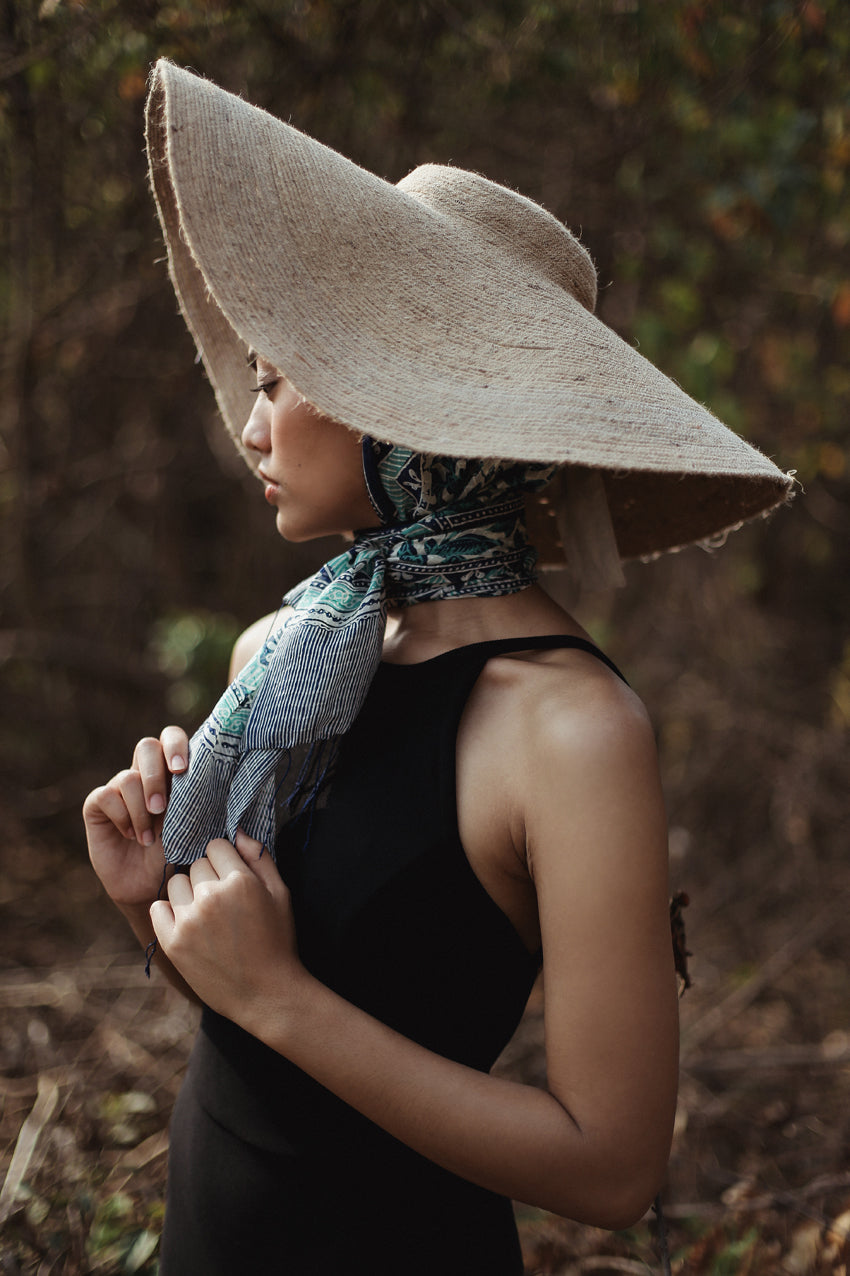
x,y
702,150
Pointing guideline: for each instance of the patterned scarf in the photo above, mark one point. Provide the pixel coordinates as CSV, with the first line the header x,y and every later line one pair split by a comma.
x,y
450,528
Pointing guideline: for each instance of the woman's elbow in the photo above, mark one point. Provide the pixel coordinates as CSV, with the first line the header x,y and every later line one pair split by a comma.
x,y
614,1195
625,1205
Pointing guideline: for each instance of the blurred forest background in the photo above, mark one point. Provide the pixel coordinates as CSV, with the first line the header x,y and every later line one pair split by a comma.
x,y
702,149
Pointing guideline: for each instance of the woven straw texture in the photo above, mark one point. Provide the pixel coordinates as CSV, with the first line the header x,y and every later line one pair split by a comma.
x,y
446,313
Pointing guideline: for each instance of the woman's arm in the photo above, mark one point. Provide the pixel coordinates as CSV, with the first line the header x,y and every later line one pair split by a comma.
x,y
123,821
610,998
595,1146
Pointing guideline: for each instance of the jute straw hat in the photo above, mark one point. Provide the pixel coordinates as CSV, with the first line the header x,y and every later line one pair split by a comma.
x,y
447,314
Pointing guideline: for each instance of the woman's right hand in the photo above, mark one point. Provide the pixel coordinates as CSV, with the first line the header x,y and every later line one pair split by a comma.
x,y
123,820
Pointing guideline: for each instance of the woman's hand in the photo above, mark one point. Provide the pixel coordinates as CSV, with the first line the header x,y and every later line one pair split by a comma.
x,y
228,929
123,820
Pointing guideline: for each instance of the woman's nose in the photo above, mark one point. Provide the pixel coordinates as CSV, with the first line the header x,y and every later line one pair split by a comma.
x,y
255,434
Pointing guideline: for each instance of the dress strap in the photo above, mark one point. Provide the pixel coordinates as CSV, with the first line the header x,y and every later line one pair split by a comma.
x,y
480,652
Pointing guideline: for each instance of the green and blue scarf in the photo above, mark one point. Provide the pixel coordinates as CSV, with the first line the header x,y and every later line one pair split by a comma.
x,y
449,528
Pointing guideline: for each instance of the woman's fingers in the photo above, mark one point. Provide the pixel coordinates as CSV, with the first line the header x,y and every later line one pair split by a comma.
x,y
202,872
185,888
134,800
106,805
156,761
259,861
245,855
175,747
149,761
223,857
121,802
179,890
162,919
228,923
248,847
131,788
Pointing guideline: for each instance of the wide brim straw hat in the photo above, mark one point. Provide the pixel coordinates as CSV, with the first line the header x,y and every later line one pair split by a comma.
x,y
447,314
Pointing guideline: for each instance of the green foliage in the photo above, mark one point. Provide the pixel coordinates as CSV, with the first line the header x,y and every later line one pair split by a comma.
x,y
193,650
728,1261
122,1115
117,1243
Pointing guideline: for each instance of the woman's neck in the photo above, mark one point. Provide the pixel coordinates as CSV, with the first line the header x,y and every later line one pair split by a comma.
x,y
428,629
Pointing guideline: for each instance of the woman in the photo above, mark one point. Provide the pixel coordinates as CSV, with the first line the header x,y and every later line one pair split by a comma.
x,y
453,782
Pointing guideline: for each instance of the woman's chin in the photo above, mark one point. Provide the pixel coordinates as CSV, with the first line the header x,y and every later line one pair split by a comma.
x,y
289,529
297,531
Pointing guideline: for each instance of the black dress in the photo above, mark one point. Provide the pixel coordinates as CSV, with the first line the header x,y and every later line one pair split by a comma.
x,y
268,1171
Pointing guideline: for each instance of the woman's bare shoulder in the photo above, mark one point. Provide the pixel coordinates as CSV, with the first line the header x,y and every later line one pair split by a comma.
x,y
584,720
587,774
585,694
581,747
569,695
251,640
562,738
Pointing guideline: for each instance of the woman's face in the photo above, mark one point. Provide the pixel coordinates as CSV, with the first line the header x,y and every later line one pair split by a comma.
x,y
311,465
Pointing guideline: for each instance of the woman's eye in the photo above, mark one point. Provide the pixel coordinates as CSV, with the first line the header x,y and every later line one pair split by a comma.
x,y
266,388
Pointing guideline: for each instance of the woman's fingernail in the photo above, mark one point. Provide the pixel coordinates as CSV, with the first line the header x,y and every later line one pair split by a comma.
x,y
157,804
178,763
147,838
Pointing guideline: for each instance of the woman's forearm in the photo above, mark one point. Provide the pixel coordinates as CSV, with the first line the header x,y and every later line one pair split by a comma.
x,y
505,1136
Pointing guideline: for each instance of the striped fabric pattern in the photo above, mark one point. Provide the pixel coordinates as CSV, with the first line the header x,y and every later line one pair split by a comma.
x,y
450,528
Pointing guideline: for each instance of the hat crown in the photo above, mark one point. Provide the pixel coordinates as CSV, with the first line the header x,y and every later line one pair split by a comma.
x,y
517,225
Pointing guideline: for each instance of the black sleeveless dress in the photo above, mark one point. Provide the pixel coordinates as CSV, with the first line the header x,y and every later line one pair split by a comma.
x,y
268,1171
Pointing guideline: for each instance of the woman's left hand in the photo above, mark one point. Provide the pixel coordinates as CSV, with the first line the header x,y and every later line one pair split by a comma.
x,y
228,929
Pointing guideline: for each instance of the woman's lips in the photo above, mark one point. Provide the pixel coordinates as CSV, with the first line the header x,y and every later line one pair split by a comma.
x,y
272,489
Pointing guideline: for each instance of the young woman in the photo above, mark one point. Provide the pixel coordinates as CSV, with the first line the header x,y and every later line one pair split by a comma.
x,y
424,780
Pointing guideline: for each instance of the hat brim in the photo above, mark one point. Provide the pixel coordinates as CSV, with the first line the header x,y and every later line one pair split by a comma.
x,y
403,320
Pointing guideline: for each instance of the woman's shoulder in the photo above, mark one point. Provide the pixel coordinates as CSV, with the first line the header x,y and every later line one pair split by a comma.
x,y
563,687
578,766
568,717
